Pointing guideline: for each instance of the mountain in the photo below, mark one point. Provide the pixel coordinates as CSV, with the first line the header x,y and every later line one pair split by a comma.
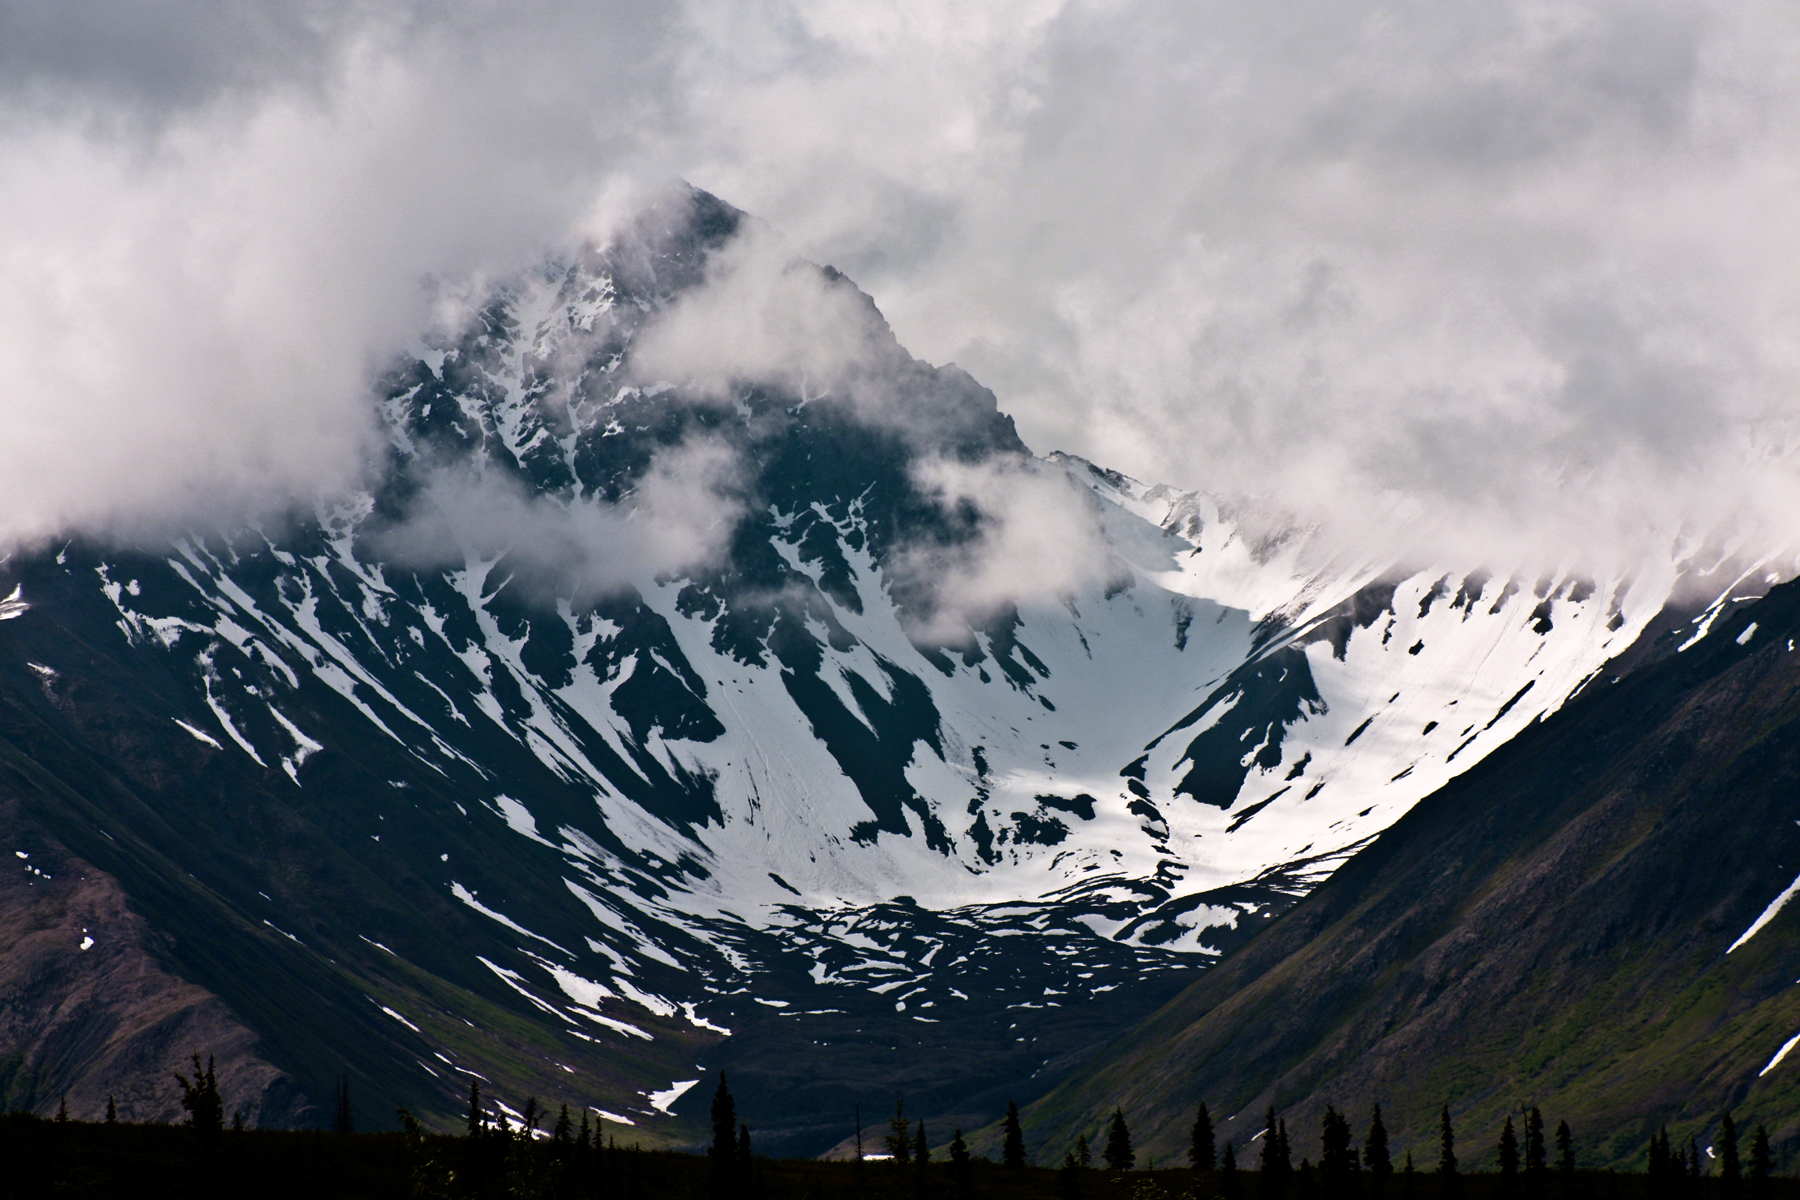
x,y
664,707
1594,920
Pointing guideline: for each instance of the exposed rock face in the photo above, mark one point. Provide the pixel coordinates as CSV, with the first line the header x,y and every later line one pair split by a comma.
x,y
87,1011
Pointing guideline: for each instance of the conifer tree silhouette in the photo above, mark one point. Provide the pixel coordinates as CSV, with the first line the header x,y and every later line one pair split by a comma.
x,y
724,1144
1506,1154
1565,1153
962,1168
62,1111
899,1136
1012,1151
112,1112
1118,1154
921,1162
1760,1164
477,1118
1449,1181
1229,1184
1084,1153
200,1097
1375,1155
1202,1147
1068,1177
1275,1162
1534,1149
1335,1155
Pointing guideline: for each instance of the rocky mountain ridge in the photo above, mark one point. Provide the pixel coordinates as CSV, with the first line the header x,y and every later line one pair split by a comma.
x,y
633,728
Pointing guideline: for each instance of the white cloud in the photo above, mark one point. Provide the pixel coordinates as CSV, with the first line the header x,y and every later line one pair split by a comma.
x,y
680,515
1525,271
1036,539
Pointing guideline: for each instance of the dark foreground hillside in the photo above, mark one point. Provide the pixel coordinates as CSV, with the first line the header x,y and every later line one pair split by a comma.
x,y
1591,921
39,1157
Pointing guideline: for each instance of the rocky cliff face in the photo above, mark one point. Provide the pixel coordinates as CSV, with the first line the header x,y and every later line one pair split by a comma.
x,y
666,710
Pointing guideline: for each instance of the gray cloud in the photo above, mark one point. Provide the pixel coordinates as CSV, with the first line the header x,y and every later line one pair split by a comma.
x,y
1523,272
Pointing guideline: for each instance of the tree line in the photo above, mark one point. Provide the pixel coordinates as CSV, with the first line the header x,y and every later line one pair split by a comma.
x,y
1521,1164
537,1153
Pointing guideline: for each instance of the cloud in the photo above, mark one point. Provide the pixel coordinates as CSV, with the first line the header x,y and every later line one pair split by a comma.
x,y
200,277
680,515
1036,539
1522,273
1516,269
765,316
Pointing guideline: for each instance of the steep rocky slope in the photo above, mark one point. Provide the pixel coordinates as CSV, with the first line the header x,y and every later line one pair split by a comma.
x,y
1593,920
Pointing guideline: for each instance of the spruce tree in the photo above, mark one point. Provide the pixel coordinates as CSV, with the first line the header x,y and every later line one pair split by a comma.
x,y
962,1168
1118,1154
1565,1153
1730,1170
112,1112
200,1097
62,1111
1449,1181
899,1138
1084,1154
531,1118
1657,1167
1760,1164
1229,1184
723,1154
1507,1154
1534,1147
1334,1154
1012,1152
1202,1150
745,1159
921,1162
477,1118
1275,1161
1375,1154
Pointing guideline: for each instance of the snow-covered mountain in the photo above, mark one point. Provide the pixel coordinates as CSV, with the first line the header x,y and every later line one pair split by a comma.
x,y
774,799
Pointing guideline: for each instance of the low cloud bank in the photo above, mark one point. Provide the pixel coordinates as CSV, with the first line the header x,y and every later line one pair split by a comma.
x,y
1515,278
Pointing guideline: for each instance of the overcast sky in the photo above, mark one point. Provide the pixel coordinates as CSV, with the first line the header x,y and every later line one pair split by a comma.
x,y
1521,274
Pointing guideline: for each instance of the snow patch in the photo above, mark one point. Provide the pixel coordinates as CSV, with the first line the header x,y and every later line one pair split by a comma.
x,y
1768,914
200,735
1779,1055
660,1101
